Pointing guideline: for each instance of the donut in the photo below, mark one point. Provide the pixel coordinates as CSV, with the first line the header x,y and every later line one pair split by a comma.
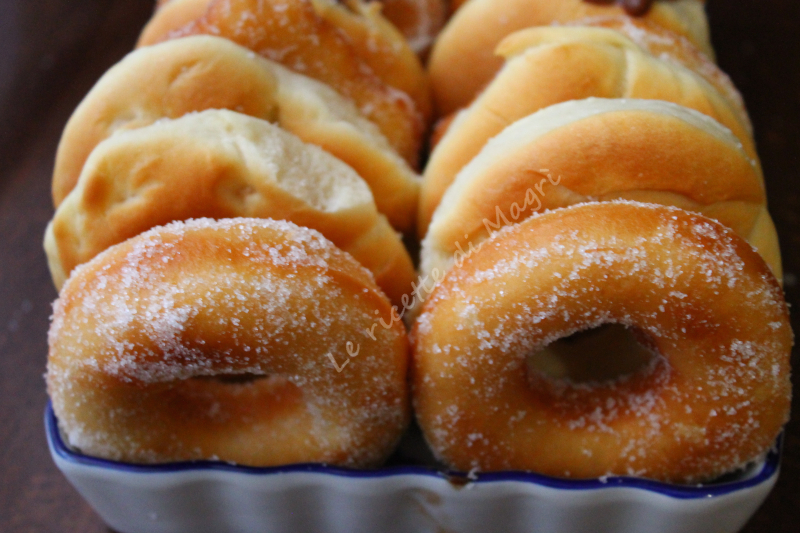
x,y
227,341
669,46
418,20
712,397
221,164
558,64
597,149
348,46
169,16
463,61
632,7
197,73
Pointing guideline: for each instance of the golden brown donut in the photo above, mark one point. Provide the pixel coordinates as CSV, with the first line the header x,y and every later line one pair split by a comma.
x,y
713,397
463,60
598,149
221,340
203,72
455,4
169,16
418,20
348,46
221,164
669,46
612,58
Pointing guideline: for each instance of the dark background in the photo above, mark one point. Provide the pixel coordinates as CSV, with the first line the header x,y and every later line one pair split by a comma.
x,y
52,51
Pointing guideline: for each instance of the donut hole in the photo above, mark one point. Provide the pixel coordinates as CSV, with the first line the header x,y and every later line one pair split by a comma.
x,y
235,379
603,354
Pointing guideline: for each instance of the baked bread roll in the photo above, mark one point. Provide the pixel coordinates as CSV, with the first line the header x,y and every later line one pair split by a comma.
x,y
221,164
462,60
713,396
223,340
595,149
549,65
349,46
193,74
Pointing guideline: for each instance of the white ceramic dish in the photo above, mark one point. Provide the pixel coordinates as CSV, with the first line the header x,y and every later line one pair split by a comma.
x,y
218,497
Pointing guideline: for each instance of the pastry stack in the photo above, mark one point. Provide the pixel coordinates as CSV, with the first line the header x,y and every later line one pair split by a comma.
x,y
233,197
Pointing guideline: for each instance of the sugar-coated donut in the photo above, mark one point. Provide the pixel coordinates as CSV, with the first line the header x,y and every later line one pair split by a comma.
x,y
463,59
419,20
197,73
221,164
713,398
670,46
611,58
455,4
602,149
349,46
248,341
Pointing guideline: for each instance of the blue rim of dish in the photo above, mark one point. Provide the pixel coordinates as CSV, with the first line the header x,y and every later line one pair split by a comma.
x,y
683,492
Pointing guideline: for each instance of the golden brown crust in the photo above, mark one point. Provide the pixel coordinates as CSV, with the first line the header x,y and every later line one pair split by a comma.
x,y
221,164
455,4
463,61
665,44
715,397
350,47
197,73
418,20
154,342
169,16
595,149
558,64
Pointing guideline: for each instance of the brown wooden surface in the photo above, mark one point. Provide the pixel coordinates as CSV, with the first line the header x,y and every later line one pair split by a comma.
x,y
50,54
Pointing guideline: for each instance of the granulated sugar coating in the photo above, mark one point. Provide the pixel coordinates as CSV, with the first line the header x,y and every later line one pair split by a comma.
x,y
713,399
344,49
227,340
672,47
